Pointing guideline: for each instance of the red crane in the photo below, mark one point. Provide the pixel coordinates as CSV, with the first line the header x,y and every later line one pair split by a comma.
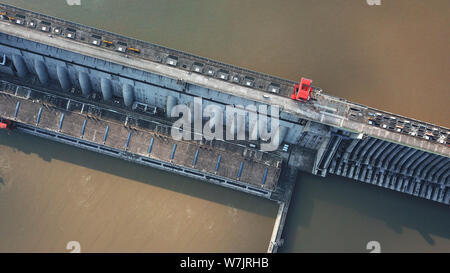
x,y
6,124
302,90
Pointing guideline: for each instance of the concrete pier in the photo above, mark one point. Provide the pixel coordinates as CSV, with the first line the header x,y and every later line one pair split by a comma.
x,y
91,126
288,179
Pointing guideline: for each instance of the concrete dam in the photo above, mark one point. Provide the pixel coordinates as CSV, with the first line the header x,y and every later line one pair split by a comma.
x,y
112,94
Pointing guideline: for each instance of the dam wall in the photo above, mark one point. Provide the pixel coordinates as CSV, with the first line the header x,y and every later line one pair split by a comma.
x,y
135,85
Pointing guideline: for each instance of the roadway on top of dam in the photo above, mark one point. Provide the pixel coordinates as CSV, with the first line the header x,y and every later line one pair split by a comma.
x,y
318,111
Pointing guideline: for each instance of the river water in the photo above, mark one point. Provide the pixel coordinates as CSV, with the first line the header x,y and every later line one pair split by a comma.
x,y
393,56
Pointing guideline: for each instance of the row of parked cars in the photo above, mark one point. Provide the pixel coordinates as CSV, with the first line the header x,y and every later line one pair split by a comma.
x,y
67,32
408,127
